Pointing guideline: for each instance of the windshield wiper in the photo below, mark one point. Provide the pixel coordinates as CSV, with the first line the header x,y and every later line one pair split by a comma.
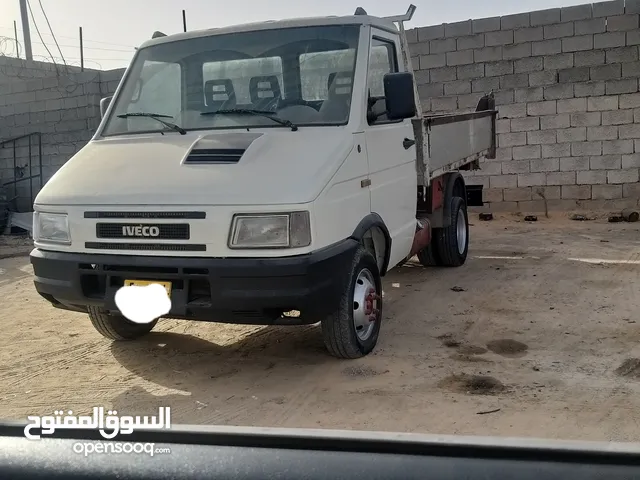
x,y
261,113
158,117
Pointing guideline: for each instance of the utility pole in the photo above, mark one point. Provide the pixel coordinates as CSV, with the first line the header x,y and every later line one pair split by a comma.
x,y
25,29
184,20
15,36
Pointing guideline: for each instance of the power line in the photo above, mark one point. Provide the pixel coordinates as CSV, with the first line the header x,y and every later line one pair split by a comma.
x,y
75,38
51,30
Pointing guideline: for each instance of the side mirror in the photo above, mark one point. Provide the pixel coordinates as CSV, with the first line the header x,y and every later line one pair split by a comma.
x,y
398,93
104,105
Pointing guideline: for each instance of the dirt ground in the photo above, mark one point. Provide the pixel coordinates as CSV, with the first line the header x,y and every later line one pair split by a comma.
x,y
541,338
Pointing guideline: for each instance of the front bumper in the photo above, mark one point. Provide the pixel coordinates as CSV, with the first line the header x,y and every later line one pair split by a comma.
x,y
230,290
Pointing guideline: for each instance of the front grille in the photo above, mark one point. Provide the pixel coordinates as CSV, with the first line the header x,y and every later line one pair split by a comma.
x,y
189,215
164,231
171,247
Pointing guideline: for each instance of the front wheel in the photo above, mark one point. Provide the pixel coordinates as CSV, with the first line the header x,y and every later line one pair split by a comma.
x,y
452,242
117,327
352,330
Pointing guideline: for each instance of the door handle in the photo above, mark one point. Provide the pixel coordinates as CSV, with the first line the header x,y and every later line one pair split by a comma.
x,y
407,143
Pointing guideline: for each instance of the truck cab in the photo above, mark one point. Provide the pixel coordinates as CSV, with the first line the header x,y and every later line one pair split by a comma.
x,y
263,174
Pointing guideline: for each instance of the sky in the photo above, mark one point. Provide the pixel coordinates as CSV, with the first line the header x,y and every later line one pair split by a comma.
x,y
113,28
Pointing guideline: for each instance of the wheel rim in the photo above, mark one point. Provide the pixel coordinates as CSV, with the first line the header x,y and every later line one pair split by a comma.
x,y
461,232
365,304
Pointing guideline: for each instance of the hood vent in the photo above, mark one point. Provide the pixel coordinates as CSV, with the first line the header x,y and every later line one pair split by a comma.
x,y
214,155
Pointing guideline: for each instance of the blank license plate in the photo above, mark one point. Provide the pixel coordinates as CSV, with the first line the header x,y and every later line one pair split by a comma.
x,y
144,283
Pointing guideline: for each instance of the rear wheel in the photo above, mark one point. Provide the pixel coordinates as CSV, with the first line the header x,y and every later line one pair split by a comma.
x,y
452,242
117,327
428,256
352,330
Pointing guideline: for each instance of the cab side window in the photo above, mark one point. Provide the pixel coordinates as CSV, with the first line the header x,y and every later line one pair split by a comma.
x,y
382,60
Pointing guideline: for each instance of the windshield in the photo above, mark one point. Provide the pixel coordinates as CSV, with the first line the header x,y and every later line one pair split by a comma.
x,y
303,75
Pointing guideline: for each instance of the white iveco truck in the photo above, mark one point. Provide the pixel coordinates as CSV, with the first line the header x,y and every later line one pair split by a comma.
x,y
268,173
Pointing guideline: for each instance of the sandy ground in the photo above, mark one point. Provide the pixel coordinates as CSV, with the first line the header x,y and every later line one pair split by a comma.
x,y
548,339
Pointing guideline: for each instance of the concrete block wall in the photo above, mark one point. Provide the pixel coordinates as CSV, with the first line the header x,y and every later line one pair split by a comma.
x,y
567,93
63,104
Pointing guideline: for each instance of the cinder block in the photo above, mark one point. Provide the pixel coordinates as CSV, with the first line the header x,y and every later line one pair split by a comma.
x,y
527,152
515,166
572,164
545,165
443,74
622,176
609,132
468,72
457,29
578,43
546,47
514,81
561,178
526,65
504,126
558,30
578,12
489,168
631,161
548,193
542,108
472,41
512,139
631,69
517,194
518,20
503,37
573,75
591,177
415,63
516,110
495,69
421,77
557,62
485,85
468,101
503,181
618,23
631,100
485,24
586,149
429,33
557,150
636,115
534,94
606,72
545,17
636,147
606,192
633,37
504,97
631,190
488,54
588,89
589,58
432,61
525,124
418,49
622,54
520,50
431,90
546,77
555,121
443,45
605,162
555,92
458,87
627,85
462,57
589,27
578,192
595,104
533,34
629,131
532,179
492,195
609,40
617,147
540,137
412,36
572,105
576,134
503,153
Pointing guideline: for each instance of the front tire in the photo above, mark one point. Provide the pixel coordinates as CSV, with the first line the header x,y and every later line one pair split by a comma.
x,y
117,327
352,330
452,243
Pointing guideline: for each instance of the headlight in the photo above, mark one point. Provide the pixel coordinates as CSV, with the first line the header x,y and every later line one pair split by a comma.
x,y
282,230
51,227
